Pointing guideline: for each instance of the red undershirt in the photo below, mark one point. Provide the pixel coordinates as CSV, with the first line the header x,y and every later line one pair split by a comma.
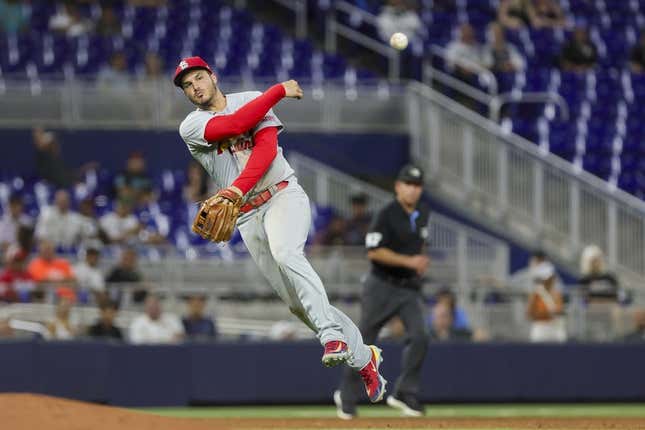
x,y
262,155
225,126
266,140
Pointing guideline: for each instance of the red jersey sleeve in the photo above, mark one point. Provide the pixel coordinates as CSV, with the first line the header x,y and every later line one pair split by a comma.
x,y
262,155
245,118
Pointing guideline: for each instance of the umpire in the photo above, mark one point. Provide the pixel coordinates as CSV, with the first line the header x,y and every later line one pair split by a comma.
x,y
395,245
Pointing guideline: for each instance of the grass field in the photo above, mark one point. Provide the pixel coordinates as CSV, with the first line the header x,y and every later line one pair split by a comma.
x,y
439,411
474,411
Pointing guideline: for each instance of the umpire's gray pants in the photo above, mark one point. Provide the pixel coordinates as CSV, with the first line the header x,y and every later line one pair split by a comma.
x,y
381,301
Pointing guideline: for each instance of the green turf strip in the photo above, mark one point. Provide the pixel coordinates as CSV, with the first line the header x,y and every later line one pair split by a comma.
x,y
436,411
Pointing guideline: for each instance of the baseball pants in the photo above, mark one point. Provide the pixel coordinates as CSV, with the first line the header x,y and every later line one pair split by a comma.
x,y
275,235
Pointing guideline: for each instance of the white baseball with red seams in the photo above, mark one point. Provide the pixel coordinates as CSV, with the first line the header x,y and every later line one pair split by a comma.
x,y
276,232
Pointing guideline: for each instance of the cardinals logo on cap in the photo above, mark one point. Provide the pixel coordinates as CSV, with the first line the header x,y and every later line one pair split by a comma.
x,y
183,65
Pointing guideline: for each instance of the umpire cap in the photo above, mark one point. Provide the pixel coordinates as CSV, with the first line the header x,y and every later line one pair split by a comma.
x,y
411,173
189,63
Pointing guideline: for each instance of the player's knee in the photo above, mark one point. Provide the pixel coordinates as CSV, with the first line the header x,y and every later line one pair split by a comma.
x,y
284,256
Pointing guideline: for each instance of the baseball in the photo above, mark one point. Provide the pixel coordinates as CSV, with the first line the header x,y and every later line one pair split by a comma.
x,y
399,41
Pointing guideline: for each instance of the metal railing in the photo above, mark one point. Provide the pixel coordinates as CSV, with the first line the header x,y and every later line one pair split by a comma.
x,y
334,28
485,75
506,320
492,98
371,106
299,8
460,254
496,103
507,181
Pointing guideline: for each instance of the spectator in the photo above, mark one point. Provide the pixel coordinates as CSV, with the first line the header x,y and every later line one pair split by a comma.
x,y
545,307
523,278
196,188
358,224
155,225
12,221
579,53
6,331
14,16
546,14
115,76
638,335
464,55
153,66
89,277
121,225
155,326
59,224
126,271
443,329
16,282
500,56
637,55
393,330
49,163
47,268
598,284
333,234
134,183
61,328
92,230
514,14
283,330
68,20
108,24
459,316
196,325
104,328
397,16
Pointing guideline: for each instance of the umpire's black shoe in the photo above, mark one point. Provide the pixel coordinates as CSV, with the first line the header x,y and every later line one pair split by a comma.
x,y
408,404
343,410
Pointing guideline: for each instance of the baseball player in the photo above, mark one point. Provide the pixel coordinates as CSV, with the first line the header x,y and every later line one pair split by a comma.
x,y
235,138
395,245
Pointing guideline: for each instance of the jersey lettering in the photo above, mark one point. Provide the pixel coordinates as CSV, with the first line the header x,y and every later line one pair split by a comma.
x,y
243,143
226,159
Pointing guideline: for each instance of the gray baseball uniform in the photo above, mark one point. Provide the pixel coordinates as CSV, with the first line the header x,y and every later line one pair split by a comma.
x,y
276,232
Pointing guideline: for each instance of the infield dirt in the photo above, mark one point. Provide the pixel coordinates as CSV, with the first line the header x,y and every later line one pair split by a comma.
x,y
31,412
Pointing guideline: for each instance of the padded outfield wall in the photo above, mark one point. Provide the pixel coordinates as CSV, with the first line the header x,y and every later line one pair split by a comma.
x,y
290,373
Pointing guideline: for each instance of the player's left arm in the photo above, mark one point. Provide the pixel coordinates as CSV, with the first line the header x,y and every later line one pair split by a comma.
x,y
262,155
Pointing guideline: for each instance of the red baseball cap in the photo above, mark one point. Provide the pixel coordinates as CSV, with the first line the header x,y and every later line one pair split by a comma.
x,y
187,64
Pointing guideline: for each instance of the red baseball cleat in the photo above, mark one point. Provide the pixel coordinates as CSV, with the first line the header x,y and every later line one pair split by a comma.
x,y
336,352
374,382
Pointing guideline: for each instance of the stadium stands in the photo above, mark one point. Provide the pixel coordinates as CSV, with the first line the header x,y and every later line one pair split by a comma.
x,y
605,129
230,39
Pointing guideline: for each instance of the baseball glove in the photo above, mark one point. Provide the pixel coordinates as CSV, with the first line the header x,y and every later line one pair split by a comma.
x,y
217,215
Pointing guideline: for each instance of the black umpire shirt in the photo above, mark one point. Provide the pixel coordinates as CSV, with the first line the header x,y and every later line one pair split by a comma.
x,y
403,233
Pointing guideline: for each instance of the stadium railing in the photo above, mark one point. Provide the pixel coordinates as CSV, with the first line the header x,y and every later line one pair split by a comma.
x,y
366,106
503,318
512,185
460,253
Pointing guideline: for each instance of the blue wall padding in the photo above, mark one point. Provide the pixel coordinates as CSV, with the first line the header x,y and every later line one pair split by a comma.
x,y
269,373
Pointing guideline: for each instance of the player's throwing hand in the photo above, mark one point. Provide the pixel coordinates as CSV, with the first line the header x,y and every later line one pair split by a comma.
x,y
292,89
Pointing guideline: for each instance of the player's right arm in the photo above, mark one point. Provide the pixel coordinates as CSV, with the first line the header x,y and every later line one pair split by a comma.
x,y
202,130
247,117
